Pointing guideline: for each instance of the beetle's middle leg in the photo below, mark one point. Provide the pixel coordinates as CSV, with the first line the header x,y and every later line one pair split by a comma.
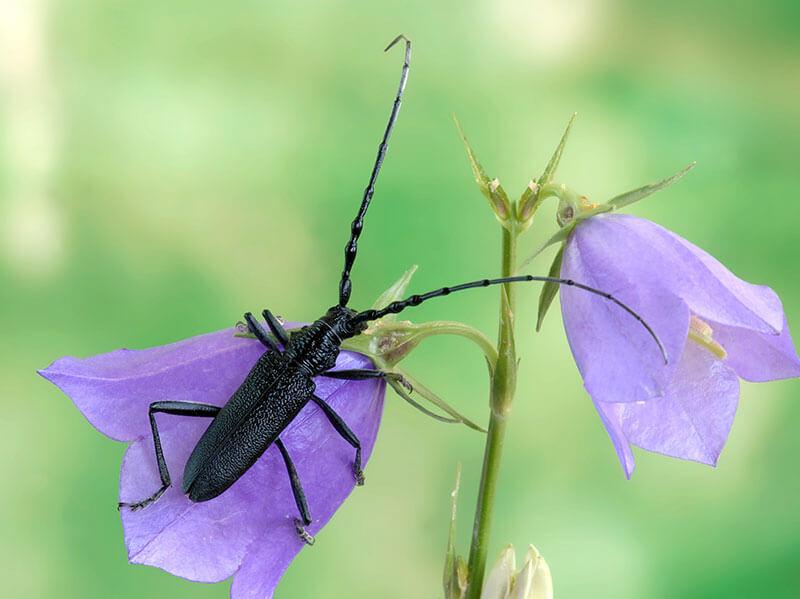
x,y
299,495
348,435
177,408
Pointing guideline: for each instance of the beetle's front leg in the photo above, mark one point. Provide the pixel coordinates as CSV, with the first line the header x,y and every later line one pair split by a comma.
x,y
177,408
260,333
276,327
348,435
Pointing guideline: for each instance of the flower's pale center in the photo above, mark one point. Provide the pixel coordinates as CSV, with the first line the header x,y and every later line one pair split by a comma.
x,y
701,333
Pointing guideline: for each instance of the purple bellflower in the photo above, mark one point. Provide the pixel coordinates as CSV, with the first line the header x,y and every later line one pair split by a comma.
x,y
716,329
248,532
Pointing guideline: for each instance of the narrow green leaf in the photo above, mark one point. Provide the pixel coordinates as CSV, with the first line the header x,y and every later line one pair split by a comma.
x,y
395,292
480,175
490,188
552,166
630,197
451,579
563,233
549,290
430,396
531,199
507,325
558,237
403,393
462,574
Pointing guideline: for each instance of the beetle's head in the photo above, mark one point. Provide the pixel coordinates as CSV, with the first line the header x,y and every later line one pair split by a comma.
x,y
342,321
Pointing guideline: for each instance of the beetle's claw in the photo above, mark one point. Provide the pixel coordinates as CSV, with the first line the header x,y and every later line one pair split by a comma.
x,y
404,381
359,475
307,538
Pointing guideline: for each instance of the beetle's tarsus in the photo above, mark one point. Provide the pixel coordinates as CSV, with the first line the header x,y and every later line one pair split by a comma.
x,y
140,505
358,473
304,535
403,381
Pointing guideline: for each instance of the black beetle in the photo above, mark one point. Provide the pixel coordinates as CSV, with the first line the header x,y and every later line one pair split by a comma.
x,y
281,382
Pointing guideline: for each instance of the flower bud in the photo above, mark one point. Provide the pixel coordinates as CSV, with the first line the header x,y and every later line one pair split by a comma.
x,y
533,581
500,580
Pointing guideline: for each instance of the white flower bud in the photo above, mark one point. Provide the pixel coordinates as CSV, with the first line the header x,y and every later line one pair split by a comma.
x,y
501,577
533,581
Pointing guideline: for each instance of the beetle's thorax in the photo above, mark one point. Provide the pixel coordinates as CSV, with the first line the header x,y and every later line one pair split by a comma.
x,y
314,348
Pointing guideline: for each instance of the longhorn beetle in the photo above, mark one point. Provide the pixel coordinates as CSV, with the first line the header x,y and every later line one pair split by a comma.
x,y
281,382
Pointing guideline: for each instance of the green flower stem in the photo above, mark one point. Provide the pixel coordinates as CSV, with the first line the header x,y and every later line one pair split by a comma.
x,y
503,384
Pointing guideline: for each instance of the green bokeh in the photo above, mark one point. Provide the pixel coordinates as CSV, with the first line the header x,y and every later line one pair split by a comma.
x,y
207,160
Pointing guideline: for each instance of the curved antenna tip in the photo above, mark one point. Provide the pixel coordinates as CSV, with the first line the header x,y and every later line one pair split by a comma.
x,y
395,40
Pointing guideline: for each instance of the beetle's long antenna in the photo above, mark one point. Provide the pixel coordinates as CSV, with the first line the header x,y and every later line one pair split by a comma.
x,y
351,248
416,300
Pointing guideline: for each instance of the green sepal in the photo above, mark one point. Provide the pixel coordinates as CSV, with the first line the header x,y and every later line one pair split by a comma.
x,y
454,576
490,188
405,395
531,198
635,195
395,292
562,234
427,394
549,289
552,166
462,575
559,236
506,369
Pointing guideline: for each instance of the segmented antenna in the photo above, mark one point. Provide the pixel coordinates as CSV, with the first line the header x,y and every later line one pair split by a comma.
x,y
416,300
345,285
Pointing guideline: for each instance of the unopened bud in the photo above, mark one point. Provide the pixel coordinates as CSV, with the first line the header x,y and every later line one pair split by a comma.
x,y
500,580
533,581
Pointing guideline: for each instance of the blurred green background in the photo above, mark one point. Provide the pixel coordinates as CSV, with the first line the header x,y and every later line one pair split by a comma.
x,y
165,166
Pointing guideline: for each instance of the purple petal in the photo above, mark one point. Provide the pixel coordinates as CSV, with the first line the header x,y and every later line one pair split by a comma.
x,y
649,256
759,299
618,360
691,421
249,529
114,390
256,515
609,414
759,357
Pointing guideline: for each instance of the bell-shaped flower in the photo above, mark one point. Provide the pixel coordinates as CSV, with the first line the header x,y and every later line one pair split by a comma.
x,y
248,532
715,327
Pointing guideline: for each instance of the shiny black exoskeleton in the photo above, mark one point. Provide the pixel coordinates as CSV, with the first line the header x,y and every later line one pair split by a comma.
x,y
278,386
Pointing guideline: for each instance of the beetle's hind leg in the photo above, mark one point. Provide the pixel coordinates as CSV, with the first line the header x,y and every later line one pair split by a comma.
x,y
177,408
348,435
299,496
